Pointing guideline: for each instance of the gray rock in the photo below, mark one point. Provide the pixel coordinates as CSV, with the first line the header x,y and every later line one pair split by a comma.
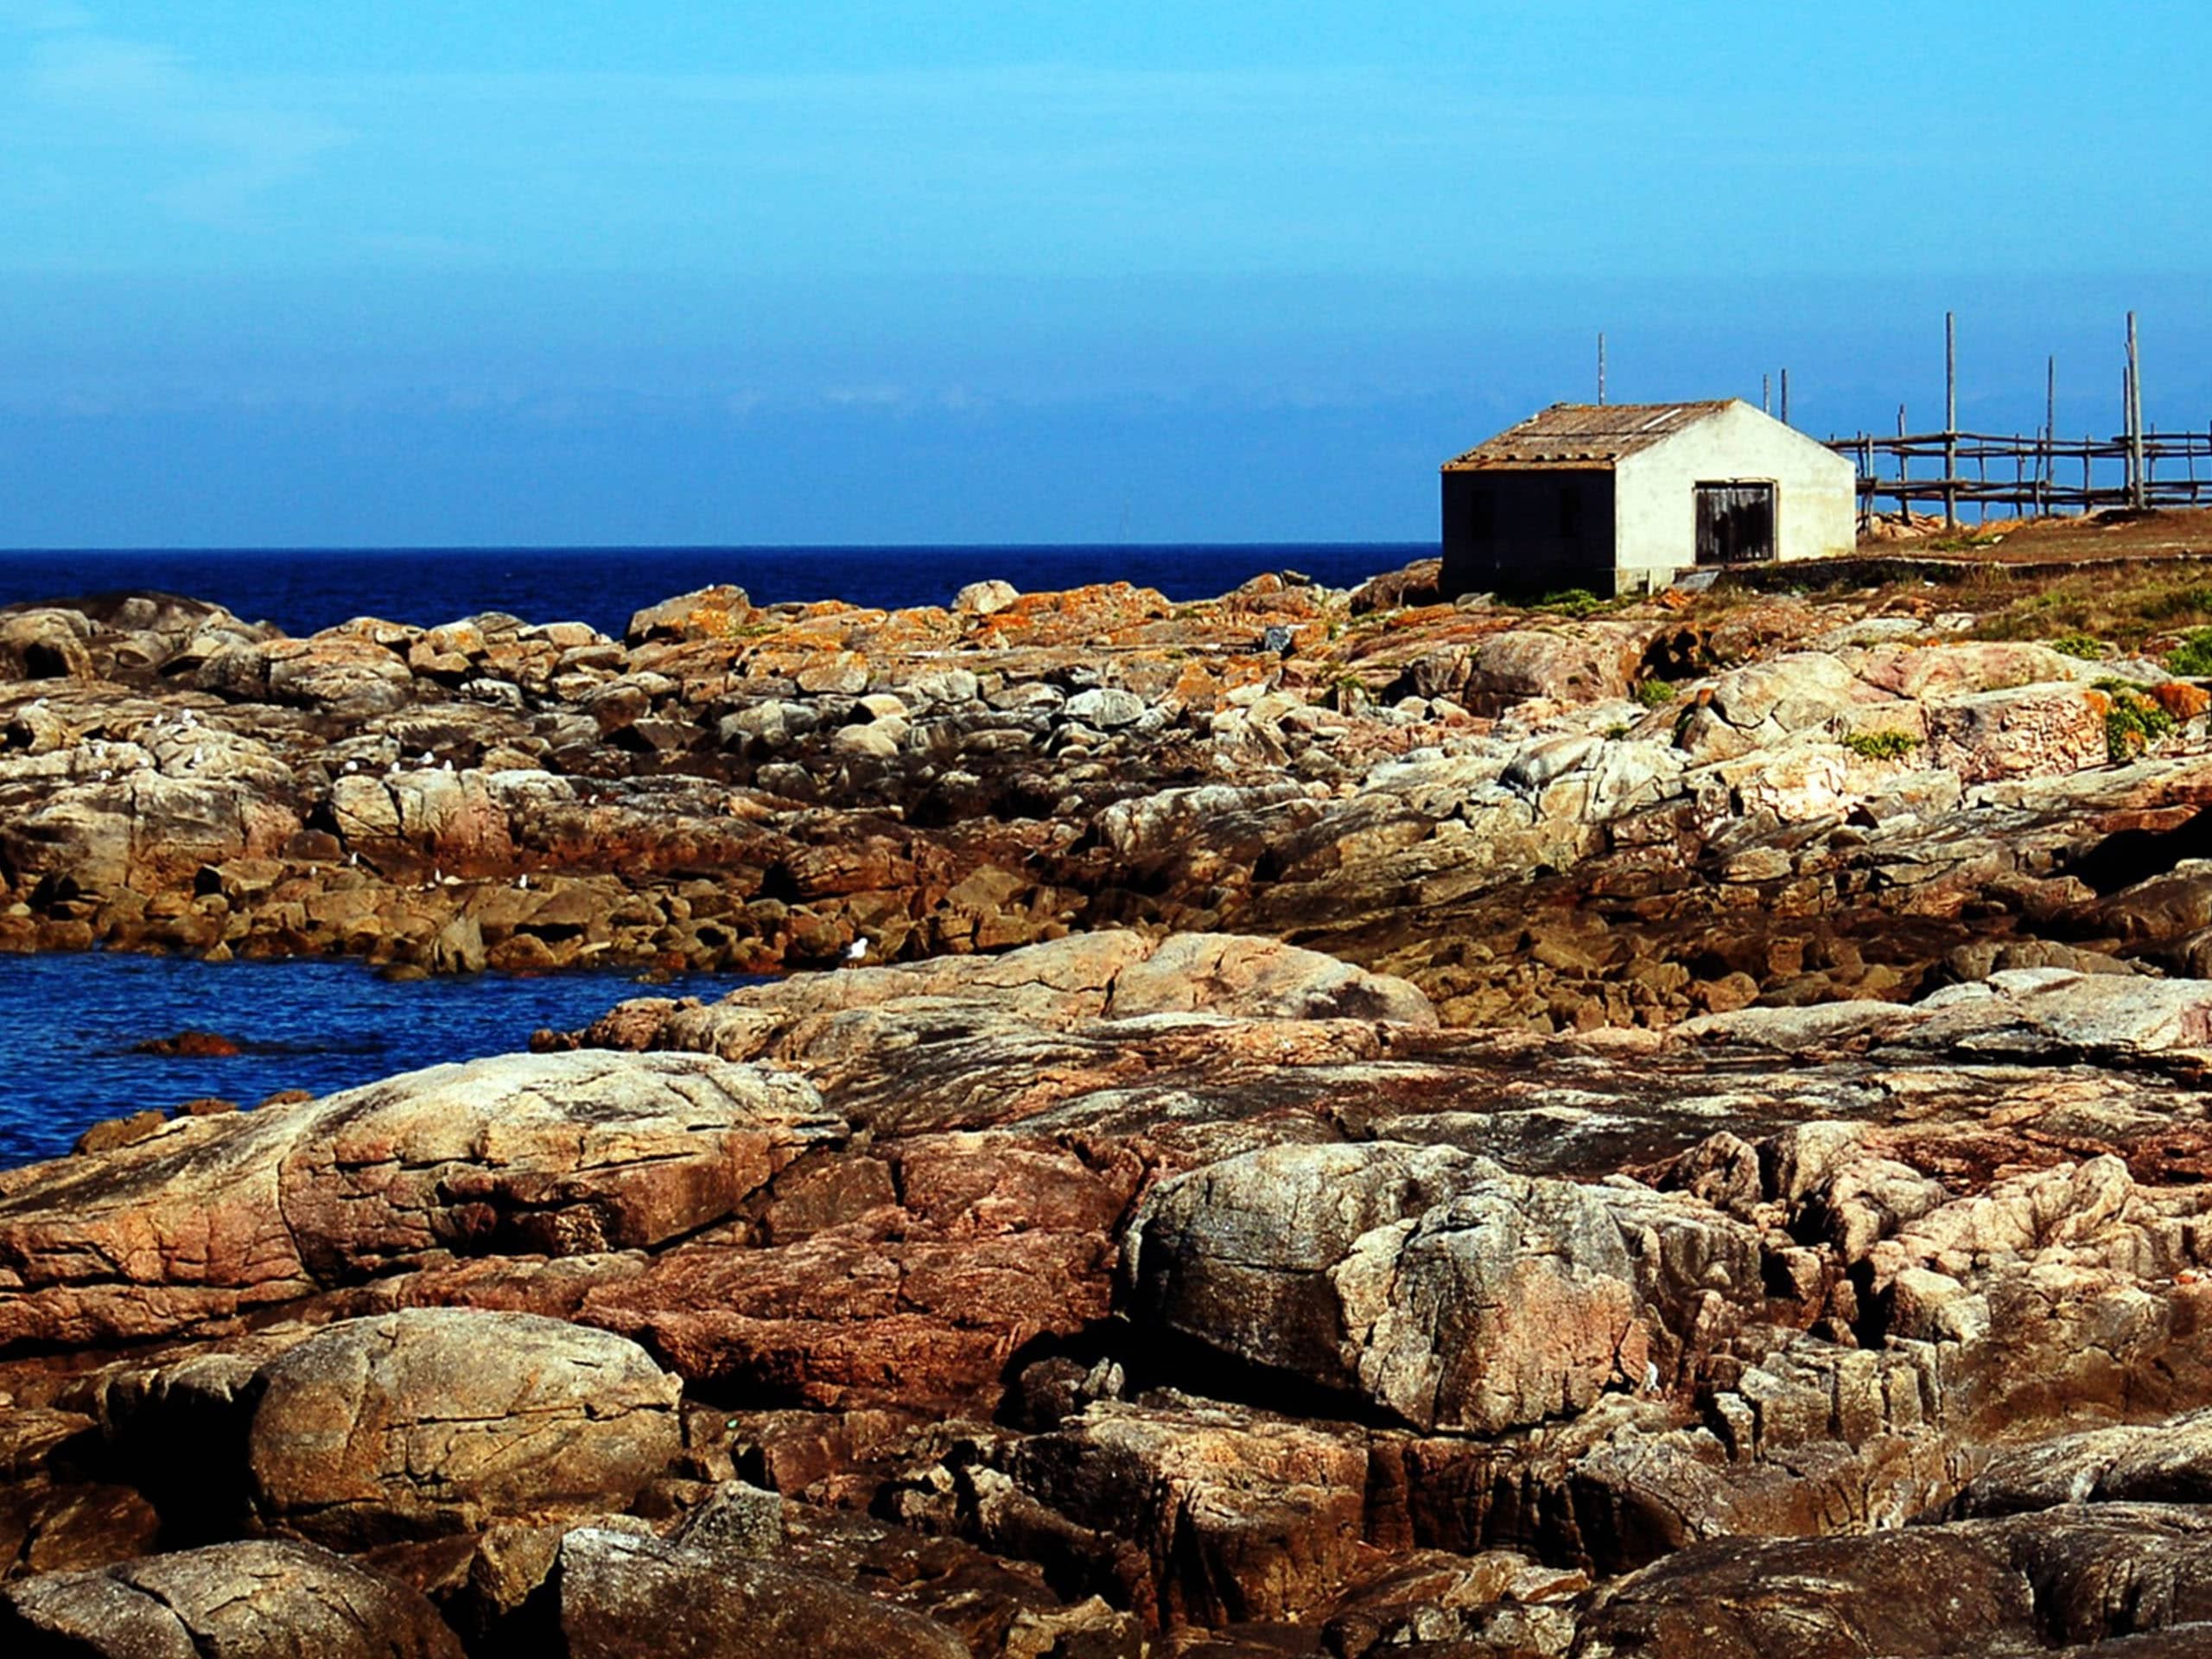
x,y
1106,707
984,598
621,1596
738,1520
438,1420
256,1601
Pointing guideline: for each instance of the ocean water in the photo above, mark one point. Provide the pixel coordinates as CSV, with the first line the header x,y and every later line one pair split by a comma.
x,y
303,589
68,1025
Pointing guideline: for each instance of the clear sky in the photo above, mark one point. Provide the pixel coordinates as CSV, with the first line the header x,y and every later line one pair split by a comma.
x,y
565,271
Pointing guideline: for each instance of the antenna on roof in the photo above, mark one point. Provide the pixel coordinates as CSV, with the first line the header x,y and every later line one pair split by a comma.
x,y
1785,396
1601,368
1766,394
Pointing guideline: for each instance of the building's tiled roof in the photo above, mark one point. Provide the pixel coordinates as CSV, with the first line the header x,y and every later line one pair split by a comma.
x,y
1582,436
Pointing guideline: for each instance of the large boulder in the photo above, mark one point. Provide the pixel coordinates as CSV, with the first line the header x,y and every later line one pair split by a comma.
x,y
627,1596
2018,732
2023,1584
1236,1515
1454,1294
1224,974
45,644
342,671
255,1601
1590,665
550,1154
2168,1462
713,613
436,1421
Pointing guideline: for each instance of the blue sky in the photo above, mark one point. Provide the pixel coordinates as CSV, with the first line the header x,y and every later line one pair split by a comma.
x,y
554,272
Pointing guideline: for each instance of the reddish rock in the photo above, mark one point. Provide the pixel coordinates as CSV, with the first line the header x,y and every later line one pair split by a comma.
x,y
190,1045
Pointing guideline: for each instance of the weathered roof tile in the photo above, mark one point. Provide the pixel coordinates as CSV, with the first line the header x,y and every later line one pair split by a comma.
x,y
1582,436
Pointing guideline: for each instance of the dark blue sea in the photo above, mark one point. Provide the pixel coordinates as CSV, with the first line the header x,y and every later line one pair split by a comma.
x,y
68,1025
306,588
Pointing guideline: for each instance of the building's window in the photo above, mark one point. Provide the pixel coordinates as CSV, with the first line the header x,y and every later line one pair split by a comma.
x,y
1570,512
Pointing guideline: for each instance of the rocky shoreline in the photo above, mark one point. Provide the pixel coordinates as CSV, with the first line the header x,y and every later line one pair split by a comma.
x,y
1389,1131
1546,820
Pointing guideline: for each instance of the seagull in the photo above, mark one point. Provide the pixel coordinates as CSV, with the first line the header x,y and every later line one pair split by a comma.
x,y
856,953
429,760
354,858
523,880
353,766
448,763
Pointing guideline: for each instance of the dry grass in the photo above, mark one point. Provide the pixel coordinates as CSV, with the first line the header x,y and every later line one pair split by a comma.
x,y
2105,535
2130,607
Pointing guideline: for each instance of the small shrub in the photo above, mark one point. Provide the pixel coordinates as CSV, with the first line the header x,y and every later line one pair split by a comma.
x,y
2088,647
1881,745
1574,601
2133,724
1616,733
1654,694
2193,656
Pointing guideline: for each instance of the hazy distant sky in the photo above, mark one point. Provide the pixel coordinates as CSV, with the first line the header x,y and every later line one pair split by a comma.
x,y
455,272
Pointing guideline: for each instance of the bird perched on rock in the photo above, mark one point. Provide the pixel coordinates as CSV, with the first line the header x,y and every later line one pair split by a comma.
x,y
856,953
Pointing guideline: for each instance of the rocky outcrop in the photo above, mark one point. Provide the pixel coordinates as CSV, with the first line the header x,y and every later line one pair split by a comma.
x,y
238,1601
1358,1129
1445,1291
1116,1286
1539,819
201,1223
622,1595
438,1421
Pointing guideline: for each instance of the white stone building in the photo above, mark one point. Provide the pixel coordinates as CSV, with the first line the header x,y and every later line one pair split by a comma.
x,y
1620,498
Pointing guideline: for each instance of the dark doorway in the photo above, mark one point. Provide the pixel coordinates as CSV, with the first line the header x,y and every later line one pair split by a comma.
x,y
1735,523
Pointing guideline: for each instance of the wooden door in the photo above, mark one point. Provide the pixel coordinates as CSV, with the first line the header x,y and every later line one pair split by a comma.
x,y
1735,523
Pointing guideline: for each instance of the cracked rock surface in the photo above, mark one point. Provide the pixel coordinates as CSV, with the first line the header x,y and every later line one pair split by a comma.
x,y
1202,1293
1386,1145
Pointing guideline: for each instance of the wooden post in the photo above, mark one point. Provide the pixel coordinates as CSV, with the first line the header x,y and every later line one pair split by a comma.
x,y
2050,410
1950,420
1904,471
2137,495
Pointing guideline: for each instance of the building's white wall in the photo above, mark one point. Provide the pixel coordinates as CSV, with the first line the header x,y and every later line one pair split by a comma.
x,y
1816,504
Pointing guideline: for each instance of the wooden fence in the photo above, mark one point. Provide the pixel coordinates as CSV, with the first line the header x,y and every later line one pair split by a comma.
x,y
2030,475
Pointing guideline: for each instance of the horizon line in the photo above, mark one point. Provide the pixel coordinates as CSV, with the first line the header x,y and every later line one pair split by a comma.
x,y
690,547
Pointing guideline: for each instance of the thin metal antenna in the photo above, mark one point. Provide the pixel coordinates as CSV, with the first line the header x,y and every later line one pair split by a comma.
x,y
2136,494
1785,396
1601,365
